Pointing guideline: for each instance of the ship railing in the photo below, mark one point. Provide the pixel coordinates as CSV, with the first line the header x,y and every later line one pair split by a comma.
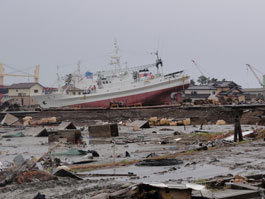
x,y
175,74
136,68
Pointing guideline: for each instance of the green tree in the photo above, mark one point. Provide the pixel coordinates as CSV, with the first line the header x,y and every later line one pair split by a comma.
x,y
192,82
213,80
202,80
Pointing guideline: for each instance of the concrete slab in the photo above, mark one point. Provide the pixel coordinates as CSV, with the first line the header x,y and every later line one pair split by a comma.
x,y
9,119
36,132
140,124
66,125
105,130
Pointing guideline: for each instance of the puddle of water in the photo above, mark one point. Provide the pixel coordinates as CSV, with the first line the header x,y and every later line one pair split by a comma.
x,y
151,174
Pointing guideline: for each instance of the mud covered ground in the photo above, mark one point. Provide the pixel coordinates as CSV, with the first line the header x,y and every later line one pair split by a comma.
x,y
224,159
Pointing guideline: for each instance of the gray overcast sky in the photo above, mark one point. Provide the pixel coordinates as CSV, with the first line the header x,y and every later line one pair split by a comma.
x,y
222,36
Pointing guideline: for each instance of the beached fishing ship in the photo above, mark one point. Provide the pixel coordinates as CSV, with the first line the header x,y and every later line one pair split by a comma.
x,y
145,85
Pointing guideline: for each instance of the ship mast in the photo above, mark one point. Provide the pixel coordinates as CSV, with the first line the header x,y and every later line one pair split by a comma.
x,y
115,57
159,62
58,80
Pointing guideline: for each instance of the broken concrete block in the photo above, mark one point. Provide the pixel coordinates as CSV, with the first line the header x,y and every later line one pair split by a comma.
x,y
72,135
105,130
37,132
9,119
140,124
66,125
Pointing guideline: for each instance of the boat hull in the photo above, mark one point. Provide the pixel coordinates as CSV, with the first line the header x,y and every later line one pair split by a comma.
x,y
149,93
157,97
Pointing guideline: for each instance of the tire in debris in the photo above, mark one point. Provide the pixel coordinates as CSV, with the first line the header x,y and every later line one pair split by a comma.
x,y
159,162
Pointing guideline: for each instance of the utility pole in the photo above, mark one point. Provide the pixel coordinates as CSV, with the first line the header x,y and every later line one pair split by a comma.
x,y
237,129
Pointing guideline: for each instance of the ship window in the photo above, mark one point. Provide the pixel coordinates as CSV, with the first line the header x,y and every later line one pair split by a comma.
x,y
103,82
17,90
79,93
73,93
36,91
107,82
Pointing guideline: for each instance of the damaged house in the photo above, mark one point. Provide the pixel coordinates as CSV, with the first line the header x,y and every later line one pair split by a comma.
x,y
255,94
220,92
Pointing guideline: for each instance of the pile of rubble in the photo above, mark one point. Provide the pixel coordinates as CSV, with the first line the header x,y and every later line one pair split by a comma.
x,y
154,121
70,154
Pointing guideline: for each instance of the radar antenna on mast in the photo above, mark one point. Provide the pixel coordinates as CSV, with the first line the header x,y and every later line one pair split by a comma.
x,y
159,61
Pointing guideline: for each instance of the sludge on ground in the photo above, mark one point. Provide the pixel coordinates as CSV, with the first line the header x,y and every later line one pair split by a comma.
x,y
228,159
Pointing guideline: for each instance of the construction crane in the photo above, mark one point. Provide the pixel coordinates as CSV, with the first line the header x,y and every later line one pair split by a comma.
x,y
255,74
197,66
35,75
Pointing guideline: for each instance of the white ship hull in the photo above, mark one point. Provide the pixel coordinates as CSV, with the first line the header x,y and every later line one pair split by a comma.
x,y
151,92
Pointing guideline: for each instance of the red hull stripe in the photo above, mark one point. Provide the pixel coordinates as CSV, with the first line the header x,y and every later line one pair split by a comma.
x,y
158,97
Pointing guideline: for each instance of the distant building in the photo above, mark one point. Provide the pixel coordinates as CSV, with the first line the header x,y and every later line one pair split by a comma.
x,y
71,90
254,94
22,93
200,92
229,91
49,90
220,92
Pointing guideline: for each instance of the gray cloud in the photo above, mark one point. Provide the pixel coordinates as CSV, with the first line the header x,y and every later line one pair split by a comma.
x,y
222,36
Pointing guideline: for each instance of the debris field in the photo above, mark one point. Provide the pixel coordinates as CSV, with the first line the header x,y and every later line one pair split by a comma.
x,y
148,158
